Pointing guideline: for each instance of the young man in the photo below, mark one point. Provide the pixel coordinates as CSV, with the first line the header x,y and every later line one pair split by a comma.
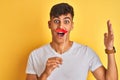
x,y
63,59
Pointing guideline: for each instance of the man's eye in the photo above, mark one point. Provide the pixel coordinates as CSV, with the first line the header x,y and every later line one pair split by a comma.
x,y
66,21
56,21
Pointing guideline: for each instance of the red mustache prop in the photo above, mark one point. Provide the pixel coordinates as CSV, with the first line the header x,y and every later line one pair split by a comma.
x,y
61,30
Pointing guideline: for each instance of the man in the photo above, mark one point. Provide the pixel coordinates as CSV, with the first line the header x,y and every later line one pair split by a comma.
x,y
63,59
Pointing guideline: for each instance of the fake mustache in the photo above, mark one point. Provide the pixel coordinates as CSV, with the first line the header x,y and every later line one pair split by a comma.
x,y
61,30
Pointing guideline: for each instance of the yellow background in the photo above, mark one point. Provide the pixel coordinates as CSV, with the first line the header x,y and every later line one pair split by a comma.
x,y
23,27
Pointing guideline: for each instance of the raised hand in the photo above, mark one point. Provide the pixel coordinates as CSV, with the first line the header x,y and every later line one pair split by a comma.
x,y
51,64
109,37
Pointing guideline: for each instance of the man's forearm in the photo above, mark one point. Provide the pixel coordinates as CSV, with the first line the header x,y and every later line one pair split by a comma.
x,y
42,77
111,72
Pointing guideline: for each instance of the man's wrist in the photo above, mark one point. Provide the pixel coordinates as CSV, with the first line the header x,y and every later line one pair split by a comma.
x,y
110,51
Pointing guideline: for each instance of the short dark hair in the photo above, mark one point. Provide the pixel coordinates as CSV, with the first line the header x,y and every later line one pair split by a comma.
x,y
61,9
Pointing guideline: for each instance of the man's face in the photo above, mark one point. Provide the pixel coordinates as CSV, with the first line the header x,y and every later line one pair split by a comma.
x,y
61,27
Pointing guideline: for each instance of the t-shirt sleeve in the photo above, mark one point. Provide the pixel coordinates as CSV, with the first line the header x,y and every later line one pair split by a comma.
x,y
94,62
30,65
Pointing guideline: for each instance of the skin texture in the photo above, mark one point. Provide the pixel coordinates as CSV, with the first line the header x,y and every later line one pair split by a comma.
x,y
62,44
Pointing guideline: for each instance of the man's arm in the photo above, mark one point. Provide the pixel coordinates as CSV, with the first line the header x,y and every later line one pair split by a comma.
x,y
111,72
34,77
107,74
51,64
31,77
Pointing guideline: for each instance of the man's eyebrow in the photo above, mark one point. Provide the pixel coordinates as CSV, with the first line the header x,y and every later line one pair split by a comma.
x,y
67,18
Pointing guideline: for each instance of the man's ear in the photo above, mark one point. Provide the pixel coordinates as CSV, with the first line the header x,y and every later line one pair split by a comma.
x,y
49,24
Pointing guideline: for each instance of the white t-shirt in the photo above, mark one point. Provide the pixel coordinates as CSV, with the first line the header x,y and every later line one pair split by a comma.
x,y
77,61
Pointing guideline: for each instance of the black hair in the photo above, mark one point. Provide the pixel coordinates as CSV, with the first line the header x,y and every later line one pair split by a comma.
x,y
61,9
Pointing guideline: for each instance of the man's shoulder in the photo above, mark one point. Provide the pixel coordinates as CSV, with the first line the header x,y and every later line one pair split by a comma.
x,y
82,46
40,49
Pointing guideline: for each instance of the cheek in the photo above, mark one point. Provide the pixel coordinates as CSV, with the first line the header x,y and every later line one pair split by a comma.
x,y
69,28
53,27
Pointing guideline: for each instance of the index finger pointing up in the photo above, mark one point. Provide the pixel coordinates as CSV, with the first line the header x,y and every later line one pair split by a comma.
x,y
109,25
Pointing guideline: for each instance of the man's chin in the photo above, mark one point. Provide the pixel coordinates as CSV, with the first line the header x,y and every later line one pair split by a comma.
x,y
60,41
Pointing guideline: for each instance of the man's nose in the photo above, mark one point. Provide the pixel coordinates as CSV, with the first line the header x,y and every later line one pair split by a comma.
x,y
61,25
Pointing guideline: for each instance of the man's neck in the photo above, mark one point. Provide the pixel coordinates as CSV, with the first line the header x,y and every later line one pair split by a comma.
x,y
61,47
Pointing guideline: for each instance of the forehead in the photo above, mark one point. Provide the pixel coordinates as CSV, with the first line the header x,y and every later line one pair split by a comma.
x,y
67,16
